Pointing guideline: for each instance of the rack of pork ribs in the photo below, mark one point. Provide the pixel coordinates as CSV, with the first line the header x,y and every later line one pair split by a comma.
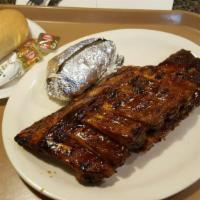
x,y
128,111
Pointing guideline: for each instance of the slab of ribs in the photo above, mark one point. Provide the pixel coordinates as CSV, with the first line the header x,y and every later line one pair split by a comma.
x,y
128,111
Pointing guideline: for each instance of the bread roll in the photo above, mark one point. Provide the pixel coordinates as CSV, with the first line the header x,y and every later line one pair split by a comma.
x,y
13,31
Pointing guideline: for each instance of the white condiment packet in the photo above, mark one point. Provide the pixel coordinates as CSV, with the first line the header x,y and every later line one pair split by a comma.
x,y
10,69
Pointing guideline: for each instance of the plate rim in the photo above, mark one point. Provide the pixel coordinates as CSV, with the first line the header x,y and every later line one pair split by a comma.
x,y
176,188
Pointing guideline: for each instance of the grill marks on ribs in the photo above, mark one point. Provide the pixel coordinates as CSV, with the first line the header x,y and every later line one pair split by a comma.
x,y
91,139
87,166
129,110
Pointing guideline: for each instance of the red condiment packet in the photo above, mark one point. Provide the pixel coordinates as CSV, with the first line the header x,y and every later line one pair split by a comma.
x,y
47,43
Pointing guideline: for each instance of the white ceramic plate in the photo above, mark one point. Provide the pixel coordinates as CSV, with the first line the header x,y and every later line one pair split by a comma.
x,y
169,167
6,90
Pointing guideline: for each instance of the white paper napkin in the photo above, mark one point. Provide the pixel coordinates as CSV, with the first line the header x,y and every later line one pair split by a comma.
x,y
128,4
136,4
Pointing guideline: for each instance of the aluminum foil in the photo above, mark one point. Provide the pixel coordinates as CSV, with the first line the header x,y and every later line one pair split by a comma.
x,y
81,66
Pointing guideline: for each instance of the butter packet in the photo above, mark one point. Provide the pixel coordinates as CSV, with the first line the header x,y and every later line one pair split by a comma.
x,y
28,53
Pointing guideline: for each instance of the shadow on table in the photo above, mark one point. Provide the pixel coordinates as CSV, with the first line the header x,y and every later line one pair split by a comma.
x,y
39,195
185,194
3,102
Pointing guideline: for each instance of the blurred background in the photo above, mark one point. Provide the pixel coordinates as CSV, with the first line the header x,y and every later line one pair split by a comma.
x,y
188,5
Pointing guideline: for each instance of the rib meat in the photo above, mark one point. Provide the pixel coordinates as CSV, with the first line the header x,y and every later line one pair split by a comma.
x,y
129,110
